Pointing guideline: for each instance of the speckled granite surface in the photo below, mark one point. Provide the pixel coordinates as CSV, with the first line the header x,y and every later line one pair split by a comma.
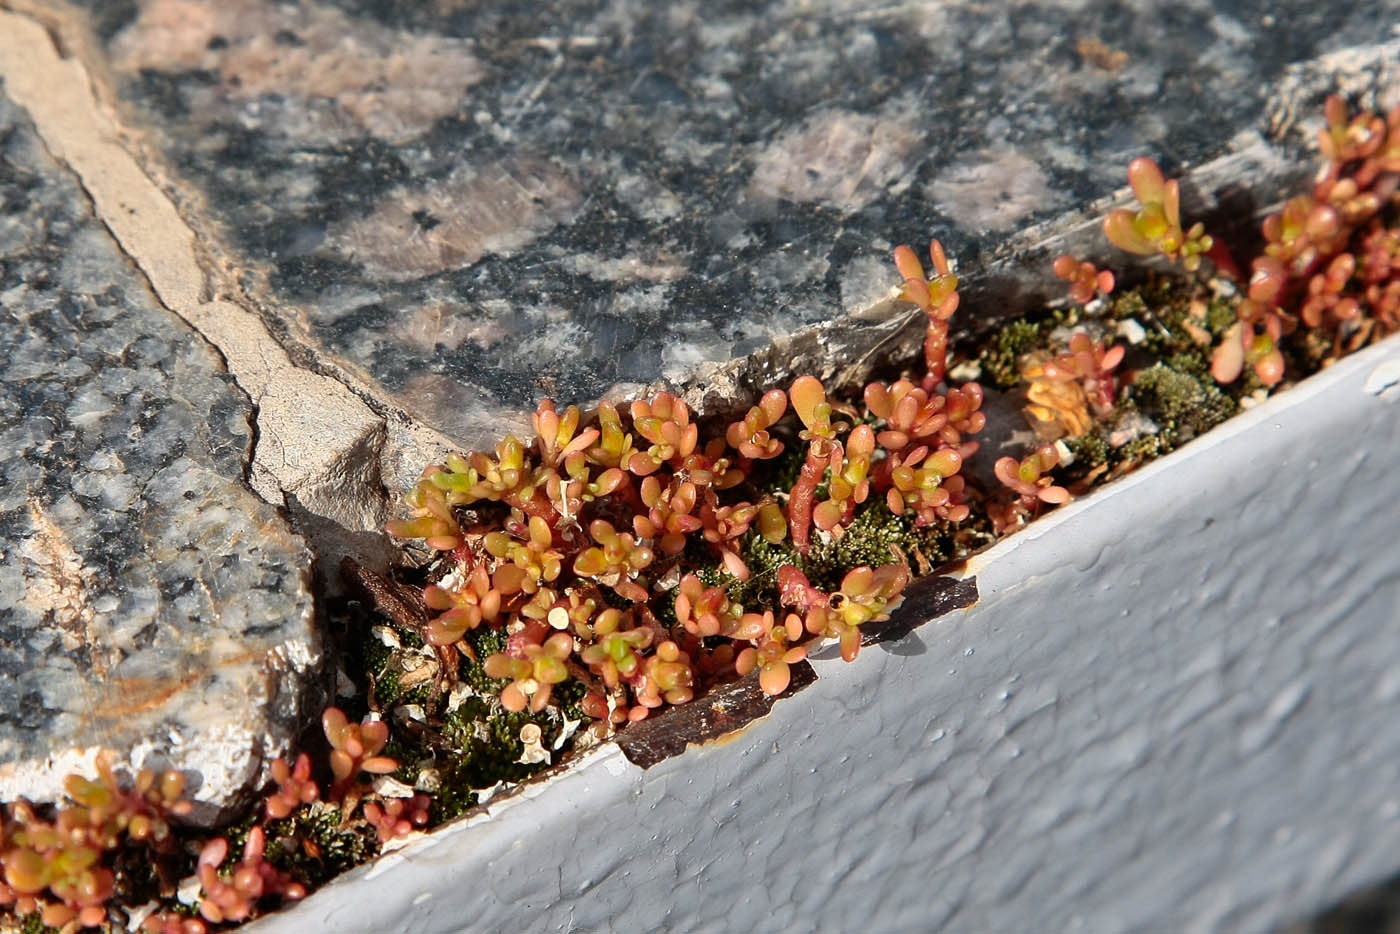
x,y
149,602
470,206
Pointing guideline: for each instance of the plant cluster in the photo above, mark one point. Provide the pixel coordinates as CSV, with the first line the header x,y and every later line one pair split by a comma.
x,y
1329,261
610,550
62,867
117,842
585,547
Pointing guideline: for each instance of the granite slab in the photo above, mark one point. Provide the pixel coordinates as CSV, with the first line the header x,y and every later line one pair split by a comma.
x,y
150,603
465,207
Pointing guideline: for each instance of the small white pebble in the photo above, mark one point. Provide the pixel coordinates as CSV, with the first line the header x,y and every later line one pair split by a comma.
x,y
569,728
1253,399
1131,331
1131,428
386,636
187,893
390,787
668,581
534,751
1223,288
454,579
134,916
1064,453
966,371
458,695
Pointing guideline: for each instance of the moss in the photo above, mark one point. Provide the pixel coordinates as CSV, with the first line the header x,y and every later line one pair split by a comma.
x,y
472,747
1306,350
1000,355
485,749
333,849
1191,363
1221,315
1141,449
874,537
1128,304
30,924
663,607
1182,404
1164,306
1089,451
781,472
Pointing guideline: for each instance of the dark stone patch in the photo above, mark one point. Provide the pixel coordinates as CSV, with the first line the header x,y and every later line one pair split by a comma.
x,y
109,16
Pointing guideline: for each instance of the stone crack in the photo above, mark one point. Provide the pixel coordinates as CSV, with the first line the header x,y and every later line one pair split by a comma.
x,y
316,444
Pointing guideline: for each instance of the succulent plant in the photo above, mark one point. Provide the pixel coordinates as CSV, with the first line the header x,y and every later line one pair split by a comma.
x,y
463,607
616,560
750,436
355,748
295,787
937,297
614,646
231,895
774,653
665,422
1091,363
1156,226
1030,480
396,817
534,661
622,561
1083,277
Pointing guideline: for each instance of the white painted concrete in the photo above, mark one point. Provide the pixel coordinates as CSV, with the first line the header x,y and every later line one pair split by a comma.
x,y
1174,709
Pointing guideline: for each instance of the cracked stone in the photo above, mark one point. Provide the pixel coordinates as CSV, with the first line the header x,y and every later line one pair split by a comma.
x,y
150,602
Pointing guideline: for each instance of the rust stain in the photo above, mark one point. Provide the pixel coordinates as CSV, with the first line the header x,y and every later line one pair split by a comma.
x,y
1100,55
57,583
715,719
926,599
126,697
725,739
